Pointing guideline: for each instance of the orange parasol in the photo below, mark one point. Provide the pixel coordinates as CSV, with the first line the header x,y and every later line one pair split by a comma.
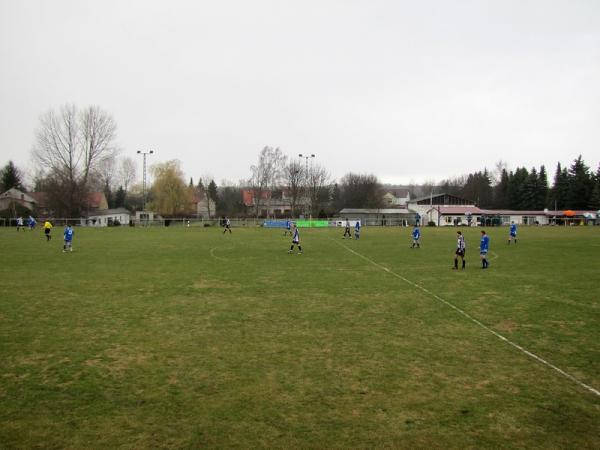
x,y
569,213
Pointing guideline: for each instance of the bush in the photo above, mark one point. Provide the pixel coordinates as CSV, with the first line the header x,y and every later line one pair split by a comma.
x,y
207,224
431,223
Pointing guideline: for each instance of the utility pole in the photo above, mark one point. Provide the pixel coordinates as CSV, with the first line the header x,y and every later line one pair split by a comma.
x,y
144,154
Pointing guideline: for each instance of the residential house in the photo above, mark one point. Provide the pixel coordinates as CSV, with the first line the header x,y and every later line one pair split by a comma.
x,y
15,196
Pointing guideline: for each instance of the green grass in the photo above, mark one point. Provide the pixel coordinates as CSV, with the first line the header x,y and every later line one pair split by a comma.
x,y
186,338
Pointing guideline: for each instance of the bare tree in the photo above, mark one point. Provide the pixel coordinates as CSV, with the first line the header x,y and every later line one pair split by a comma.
x,y
267,174
318,182
127,172
361,191
294,175
104,175
98,132
69,145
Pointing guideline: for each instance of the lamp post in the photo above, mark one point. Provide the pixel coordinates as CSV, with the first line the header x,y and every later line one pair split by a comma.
x,y
144,154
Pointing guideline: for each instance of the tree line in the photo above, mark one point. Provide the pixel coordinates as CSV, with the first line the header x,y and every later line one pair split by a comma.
x,y
75,153
573,187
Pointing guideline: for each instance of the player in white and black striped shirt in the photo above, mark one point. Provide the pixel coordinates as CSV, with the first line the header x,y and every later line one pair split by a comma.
x,y
460,250
296,241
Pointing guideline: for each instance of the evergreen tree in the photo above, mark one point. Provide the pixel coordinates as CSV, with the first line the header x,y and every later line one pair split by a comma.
x,y
120,197
580,185
595,198
10,177
541,200
212,191
560,189
529,191
516,186
501,191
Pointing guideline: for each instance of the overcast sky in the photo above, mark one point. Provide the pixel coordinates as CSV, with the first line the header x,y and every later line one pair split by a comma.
x,y
407,90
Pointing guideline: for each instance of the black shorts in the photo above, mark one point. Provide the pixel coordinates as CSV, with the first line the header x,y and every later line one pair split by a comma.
x,y
47,230
460,252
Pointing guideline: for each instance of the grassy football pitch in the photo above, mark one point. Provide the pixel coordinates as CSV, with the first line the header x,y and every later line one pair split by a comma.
x,y
188,338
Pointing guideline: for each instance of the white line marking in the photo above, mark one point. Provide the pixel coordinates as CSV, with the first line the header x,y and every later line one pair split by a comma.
x,y
212,253
477,322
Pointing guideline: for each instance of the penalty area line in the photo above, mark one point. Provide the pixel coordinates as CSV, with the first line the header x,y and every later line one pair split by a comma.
x,y
477,322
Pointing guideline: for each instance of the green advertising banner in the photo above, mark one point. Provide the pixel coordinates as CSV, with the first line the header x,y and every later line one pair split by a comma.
x,y
312,223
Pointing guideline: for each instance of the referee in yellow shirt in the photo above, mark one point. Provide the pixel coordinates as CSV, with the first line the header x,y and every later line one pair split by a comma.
x,y
47,228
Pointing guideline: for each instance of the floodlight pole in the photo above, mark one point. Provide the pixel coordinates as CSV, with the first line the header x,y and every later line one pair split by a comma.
x,y
144,154
307,157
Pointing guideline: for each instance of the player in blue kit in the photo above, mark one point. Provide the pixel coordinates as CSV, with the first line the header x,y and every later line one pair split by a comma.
x,y
416,235
295,241
484,246
68,236
357,229
288,227
513,232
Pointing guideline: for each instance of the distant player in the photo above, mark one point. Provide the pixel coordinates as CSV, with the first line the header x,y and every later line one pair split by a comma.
x,y
513,233
460,250
416,235
417,219
357,229
295,241
347,230
31,222
484,246
227,225
68,236
20,224
47,230
288,227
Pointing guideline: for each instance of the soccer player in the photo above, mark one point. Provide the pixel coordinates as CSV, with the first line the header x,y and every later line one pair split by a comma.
x,y
347,230
460,250
68,236
47,229
31,222
227,225
484,246
296,241
20,224
416,235
288,227
357,229
513,232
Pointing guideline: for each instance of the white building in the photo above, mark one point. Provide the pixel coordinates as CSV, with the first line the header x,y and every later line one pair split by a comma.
x,y
396,197
15,196
108,217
